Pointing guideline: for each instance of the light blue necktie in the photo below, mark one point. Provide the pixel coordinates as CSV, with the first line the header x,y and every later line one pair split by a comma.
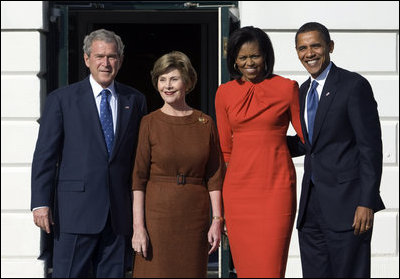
x,y
106,119
312,105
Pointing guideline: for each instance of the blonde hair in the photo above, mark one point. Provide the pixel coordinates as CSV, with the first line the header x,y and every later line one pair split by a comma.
x,y
175,60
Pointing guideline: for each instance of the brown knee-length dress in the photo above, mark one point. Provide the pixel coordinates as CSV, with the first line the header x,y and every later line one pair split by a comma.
x,y
178,161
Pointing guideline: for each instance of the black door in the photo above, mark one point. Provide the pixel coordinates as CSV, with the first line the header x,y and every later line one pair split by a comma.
x,y
148,29
147,35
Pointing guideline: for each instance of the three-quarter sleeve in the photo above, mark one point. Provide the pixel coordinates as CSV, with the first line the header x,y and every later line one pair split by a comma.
x,y
141,170
215,170
295,110
224,127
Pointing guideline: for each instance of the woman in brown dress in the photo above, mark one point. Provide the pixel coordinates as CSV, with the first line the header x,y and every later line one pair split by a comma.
x,y
178,171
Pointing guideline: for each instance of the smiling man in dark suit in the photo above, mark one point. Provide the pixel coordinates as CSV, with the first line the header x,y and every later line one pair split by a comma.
x,y
343,162
82,165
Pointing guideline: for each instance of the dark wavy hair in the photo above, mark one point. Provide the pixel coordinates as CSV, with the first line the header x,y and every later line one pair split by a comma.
x,y
314,26
249,34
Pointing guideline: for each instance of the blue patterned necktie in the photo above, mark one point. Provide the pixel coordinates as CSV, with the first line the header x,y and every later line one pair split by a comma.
x,y
312,105
106,119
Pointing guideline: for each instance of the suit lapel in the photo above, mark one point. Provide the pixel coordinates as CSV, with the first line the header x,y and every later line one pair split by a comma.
x,y
126,106
327,96
90,115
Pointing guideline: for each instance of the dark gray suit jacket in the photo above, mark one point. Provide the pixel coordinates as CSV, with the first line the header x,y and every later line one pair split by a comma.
x,y
71,170
345,157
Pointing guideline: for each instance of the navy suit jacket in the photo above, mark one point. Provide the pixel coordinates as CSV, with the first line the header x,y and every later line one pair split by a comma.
x,y
71,170
345,157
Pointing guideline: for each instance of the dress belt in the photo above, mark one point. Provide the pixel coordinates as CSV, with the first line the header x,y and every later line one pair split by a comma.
x,y
179,179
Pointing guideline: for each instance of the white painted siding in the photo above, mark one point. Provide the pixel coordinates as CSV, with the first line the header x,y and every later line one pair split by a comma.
x,y
22,23
366,36
343,15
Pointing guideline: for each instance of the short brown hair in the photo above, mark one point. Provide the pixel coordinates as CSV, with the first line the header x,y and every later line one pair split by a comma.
x,y
175,60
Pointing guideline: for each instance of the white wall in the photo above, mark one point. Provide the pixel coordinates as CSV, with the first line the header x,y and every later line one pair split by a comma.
x,y
21,46
366,36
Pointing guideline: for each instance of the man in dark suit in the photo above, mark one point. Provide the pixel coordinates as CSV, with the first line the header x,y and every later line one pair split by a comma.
x,y
343,162
82,165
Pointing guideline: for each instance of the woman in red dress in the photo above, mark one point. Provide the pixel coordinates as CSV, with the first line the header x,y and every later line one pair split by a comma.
x,y
259,193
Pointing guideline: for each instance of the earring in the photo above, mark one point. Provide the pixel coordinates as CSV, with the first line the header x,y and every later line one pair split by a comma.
x,y
235,66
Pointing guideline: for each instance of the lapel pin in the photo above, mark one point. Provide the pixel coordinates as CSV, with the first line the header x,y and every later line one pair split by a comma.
x,y
126,107
327,94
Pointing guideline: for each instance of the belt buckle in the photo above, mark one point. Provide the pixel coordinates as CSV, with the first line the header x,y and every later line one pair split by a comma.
x,y
181,179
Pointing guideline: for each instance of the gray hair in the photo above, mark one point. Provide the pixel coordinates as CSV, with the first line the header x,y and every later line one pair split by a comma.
x,y
103,35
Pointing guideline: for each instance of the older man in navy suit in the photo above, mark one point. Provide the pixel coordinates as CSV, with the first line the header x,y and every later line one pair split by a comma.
x,y
82,165
343,162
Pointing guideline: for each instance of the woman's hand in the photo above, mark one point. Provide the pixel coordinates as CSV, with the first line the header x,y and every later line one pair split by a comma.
x,y
214,234
140,241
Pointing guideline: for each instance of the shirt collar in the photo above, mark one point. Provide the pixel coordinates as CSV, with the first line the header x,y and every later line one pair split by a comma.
x,y
97,88
322,77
